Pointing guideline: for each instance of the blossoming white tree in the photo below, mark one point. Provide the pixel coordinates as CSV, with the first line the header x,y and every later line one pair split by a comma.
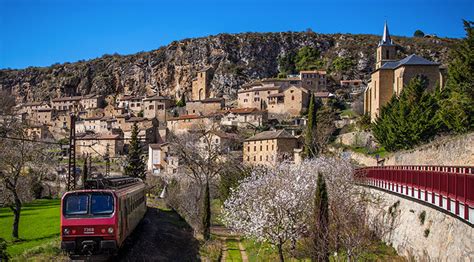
x,y
276,205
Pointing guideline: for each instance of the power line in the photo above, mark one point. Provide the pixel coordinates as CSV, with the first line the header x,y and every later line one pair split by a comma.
x,y
30,140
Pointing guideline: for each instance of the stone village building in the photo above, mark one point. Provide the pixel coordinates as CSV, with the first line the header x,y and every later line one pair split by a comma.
x,y
391,75
244,117
269,147
286,97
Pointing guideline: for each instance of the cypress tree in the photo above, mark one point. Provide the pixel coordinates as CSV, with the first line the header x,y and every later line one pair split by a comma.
x,y
135,163
206,213
310,150
321,222
183,99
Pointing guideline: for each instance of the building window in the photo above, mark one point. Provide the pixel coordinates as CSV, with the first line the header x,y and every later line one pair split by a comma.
x,y
255,148
248,149
261,158
248,158
261,148
273,147
254,158
151,107
267,147
292,97
266,157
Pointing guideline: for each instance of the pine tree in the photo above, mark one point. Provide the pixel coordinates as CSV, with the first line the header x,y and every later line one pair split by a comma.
x,y
310,150
457,98
321,222
135,163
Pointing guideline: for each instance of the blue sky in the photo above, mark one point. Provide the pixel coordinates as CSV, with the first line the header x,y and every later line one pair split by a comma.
x,y
43,32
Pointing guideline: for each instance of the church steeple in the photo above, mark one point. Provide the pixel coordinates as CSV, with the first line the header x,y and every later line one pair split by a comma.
x,y
386,39
386,50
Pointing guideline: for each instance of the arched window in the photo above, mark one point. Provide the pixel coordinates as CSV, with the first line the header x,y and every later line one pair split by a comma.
x,y
387,54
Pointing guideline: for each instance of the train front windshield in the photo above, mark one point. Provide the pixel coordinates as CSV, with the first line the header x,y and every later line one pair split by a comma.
x,y
88,204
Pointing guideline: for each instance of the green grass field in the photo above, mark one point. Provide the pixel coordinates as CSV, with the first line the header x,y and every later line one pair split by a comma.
x,y
39,225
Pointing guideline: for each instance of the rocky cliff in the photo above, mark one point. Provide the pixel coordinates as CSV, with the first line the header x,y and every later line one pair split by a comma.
x,y
235,59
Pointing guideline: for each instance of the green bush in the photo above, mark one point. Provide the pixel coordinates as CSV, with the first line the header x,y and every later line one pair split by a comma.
x,y
342,64
3,250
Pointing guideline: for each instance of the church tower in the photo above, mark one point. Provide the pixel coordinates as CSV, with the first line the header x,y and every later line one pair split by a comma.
x,y
386,50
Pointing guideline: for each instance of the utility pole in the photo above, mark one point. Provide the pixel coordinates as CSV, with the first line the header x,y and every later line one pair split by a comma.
x,y
107,161
71,176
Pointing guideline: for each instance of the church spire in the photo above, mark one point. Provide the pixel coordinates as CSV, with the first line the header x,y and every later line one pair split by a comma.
x,y
386,40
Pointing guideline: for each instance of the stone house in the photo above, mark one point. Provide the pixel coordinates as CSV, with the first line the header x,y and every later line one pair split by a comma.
x,y
147,129
184,123
38,132
314,80
62,120
225,142
204,107
133,103
255,95
71,103
391,75
244,117
43,116
98,145
156,106
269,147
112,110
92,101
91,124
33,106
292,101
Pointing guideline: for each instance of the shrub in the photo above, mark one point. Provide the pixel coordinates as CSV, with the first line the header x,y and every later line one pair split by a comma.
x,y
3,250
422,217
427,232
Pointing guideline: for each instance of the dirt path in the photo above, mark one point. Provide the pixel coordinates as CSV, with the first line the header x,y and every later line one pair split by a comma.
x,y
161,236
225,234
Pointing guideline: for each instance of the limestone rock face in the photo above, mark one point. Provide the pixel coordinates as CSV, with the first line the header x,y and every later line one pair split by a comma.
x,y
234,58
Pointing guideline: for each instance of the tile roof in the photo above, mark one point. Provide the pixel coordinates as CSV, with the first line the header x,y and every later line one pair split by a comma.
x,y
267,135
409,60
157,97
277,95
67,98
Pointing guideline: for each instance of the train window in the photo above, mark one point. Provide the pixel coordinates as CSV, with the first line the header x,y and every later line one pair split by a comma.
x,y
76,205
102,204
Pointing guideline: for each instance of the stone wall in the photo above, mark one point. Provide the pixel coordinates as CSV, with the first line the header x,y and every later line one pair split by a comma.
x,y
452,151
420,232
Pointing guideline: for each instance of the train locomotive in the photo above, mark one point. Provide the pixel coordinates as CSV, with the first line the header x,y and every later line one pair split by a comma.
x,y
98,218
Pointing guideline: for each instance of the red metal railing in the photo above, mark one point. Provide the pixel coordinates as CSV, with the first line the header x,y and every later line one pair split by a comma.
x,y
448,187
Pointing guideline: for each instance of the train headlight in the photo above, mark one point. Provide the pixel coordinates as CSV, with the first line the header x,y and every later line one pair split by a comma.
x,y
110,230
66,231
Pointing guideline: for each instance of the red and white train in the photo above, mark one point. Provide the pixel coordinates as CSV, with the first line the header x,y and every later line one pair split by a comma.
x,y
100,217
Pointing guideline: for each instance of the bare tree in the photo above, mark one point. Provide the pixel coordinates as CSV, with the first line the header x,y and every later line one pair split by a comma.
x,y
20,158
202,159
17,154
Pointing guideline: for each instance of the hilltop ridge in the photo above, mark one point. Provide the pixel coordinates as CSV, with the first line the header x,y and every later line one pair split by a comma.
x,y
234,58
